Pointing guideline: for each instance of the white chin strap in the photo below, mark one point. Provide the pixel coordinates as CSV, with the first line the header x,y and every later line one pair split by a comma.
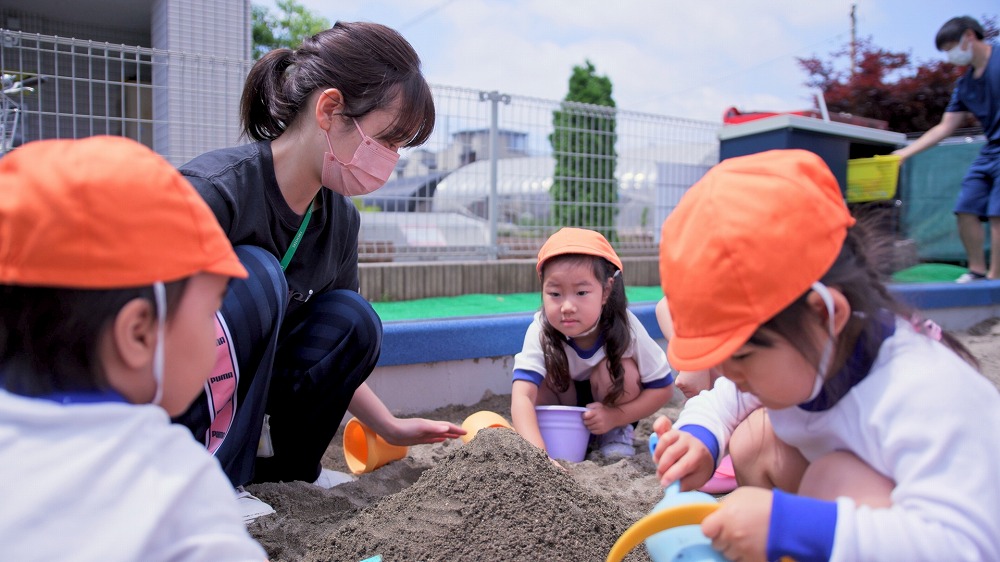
x,y
590,331
824,360
160,294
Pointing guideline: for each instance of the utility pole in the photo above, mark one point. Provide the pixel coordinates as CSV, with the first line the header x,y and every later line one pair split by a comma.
x,y
854,39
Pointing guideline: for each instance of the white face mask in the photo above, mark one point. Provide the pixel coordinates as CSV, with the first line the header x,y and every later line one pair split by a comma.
x,y
824,360
160,294
958,55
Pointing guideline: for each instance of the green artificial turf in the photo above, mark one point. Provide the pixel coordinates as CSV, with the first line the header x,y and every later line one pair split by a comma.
x,y
484,305
928,273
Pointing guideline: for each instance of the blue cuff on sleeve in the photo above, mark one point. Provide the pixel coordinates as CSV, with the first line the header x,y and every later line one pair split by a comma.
x,y
801,527
705,436
530,376
660,383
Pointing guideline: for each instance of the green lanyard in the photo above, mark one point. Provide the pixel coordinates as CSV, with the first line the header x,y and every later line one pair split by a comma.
x,y
298,236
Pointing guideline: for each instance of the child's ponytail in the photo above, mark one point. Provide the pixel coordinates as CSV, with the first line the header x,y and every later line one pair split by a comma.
x,y
614,325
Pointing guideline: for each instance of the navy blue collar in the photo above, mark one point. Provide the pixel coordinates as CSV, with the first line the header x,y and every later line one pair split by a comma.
x,y
857,366
75,397
586,353
83,397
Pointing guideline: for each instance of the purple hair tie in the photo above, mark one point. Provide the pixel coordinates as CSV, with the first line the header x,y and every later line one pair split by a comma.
x,y
926,327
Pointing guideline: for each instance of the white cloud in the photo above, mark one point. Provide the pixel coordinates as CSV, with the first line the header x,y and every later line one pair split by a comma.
x,y
690,59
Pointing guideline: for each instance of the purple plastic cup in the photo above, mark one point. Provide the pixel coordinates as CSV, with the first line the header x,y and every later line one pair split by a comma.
x,y
562,429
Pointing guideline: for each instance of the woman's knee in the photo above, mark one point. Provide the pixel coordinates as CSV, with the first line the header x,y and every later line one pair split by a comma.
x,y
254,308
354,318
266,282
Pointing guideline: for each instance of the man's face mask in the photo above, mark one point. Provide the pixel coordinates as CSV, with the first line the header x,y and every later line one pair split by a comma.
x,y
956,54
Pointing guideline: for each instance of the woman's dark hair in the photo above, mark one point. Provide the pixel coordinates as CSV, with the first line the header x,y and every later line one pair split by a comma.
x,y
952,30
857,275
613,325
369,63
49,337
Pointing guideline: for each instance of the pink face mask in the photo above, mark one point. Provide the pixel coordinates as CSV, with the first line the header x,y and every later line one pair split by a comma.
x,y
367,171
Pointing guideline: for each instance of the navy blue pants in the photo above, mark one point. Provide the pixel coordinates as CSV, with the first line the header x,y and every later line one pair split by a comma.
x,y
302,369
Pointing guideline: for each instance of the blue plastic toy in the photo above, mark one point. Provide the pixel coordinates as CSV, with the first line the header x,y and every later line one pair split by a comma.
x,y
672,529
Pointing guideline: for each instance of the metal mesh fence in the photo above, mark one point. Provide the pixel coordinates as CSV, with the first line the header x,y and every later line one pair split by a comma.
x,y
499,174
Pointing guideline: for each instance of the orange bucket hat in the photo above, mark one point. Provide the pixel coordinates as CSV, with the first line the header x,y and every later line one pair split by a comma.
x,y
577,241
103,213
744,243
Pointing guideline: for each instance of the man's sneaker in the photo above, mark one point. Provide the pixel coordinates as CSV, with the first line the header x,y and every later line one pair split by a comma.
x,y
330,478
617,442
251,507
970,276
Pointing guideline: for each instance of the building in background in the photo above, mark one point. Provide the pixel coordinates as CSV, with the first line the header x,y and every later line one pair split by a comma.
x,y
167,73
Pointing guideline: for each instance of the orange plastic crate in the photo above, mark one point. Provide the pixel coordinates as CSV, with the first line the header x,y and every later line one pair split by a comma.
x,y
872,179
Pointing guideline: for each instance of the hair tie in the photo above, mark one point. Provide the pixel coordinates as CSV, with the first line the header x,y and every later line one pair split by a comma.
x,y
926,327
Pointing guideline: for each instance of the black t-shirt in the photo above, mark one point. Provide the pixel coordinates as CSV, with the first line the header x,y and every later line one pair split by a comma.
x,y
238,183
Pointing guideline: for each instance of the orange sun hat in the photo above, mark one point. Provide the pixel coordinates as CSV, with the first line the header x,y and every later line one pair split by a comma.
x,y
570,240
103,213
747,240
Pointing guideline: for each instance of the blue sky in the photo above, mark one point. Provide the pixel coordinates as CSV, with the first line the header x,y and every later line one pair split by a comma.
x,y
684,59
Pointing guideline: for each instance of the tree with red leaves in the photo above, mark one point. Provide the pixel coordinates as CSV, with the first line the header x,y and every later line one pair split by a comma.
x,y
888,85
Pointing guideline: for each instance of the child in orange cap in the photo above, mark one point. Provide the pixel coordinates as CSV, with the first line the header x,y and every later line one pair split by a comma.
x,y
585,348
839,452
112,269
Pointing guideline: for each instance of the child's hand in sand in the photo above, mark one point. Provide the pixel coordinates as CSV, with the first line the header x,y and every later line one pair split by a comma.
x,y
739,527
416,431
681,456
601,419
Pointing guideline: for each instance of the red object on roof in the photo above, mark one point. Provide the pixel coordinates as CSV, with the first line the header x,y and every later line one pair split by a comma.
x,y
734,116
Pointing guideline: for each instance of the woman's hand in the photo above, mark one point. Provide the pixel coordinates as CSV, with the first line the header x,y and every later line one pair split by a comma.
x,y
398,431
416,431
681,456
739,527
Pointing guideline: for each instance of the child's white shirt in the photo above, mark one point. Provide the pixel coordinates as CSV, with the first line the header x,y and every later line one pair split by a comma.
x,y
111,481
643,349
922,417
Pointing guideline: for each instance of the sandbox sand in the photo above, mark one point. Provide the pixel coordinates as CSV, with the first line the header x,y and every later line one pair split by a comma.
x,y
493,499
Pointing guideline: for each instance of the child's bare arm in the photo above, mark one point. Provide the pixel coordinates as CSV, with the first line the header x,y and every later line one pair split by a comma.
x,y
523,397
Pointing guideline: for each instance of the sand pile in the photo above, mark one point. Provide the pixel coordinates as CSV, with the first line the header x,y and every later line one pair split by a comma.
x,y
495,498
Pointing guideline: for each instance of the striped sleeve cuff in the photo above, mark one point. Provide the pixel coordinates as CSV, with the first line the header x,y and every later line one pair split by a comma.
x,y
530,376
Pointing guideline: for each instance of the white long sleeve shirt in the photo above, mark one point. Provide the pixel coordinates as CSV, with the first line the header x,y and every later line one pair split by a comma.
x,y
108,481
922,417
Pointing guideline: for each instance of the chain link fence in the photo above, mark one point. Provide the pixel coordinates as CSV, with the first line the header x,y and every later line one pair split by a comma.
x,y
487,185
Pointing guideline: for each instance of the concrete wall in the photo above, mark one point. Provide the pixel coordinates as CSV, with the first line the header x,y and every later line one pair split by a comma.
x,y
429,364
